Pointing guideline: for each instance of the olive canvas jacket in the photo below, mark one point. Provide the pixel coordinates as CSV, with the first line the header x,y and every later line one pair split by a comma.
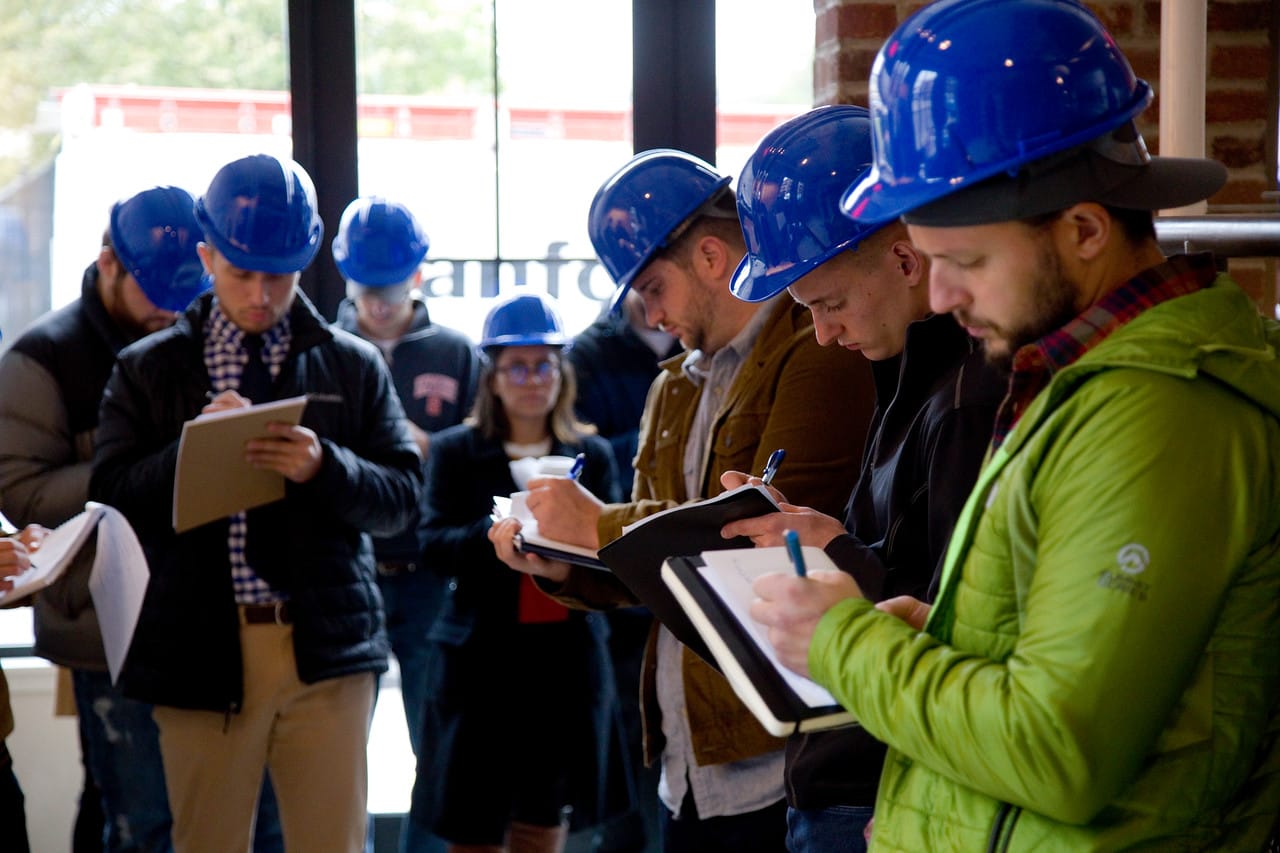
x,y
1100,668
816,403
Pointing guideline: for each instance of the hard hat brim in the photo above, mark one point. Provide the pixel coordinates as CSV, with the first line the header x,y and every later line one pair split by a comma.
x,y
188,282
1162,183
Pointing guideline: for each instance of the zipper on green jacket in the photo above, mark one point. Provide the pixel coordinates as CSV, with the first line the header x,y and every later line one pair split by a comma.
x,y
1002,828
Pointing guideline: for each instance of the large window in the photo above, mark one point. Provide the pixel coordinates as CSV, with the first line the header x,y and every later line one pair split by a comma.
x,y
498,141
764,72
91,119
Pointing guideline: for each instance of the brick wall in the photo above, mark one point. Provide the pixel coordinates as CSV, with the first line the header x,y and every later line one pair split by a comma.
x,y
1243,54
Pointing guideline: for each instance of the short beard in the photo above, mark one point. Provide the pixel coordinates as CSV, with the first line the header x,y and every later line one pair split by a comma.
x,y
1054,306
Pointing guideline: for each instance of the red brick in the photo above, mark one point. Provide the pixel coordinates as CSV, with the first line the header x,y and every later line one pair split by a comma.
x,y
1145,61
867,20
1234,106
1151,12
1118,18
1241,61
1256,280
1236,152
855,64
826,26
1241,191
1253,15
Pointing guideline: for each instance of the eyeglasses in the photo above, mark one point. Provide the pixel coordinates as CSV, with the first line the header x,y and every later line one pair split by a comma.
x,y
519,373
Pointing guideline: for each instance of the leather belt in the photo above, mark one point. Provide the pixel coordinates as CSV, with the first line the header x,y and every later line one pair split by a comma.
x,y
269,613
391,568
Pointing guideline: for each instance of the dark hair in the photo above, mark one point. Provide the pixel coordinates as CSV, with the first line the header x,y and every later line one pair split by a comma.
x,y
488,416
718,217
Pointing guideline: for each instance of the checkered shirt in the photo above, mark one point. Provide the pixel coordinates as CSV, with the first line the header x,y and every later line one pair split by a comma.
x,y
224,358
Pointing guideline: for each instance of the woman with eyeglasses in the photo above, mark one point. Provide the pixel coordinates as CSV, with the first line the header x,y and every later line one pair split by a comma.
x,y
520,698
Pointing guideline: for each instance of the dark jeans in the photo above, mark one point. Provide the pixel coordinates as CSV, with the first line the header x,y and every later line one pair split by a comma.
x,y
411,600
762,831
636,830
13,818
822,830
122,752
123,756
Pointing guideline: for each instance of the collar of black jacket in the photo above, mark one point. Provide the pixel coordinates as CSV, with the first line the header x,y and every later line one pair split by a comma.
x,y
307,327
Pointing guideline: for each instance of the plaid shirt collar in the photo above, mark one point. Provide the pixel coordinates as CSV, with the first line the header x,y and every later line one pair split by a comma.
x,y
224,350
1034,364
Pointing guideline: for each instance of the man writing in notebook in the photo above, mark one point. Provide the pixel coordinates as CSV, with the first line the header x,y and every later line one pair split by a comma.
x,y
1098,669
752,380
261,633
867,288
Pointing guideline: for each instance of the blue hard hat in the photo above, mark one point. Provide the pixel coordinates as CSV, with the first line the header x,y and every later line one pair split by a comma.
x,y
789,198
154,234
379,243
636,210
260,213
965,90
525,320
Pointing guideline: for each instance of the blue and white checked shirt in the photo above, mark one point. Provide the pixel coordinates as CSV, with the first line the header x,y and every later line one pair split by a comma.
x,y
224,358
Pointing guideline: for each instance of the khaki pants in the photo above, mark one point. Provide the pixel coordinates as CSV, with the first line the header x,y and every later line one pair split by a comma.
x,y
312,738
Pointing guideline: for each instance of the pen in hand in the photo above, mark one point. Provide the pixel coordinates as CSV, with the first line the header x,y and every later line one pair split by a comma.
x,y
793,549
579,462
771,467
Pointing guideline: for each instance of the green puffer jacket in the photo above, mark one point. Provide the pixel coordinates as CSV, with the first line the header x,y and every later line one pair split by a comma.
x,y
1101,668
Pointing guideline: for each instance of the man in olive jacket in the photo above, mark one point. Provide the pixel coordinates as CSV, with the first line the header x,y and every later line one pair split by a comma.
x,y
753,380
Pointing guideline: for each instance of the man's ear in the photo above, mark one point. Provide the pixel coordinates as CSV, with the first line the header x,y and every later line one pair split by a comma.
x,y
1084,230
907,262
205,251
109,266
711,257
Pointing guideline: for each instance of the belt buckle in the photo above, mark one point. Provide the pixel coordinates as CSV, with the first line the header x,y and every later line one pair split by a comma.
x,y
266,613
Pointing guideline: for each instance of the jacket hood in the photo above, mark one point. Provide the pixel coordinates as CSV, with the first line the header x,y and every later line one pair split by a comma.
x,y
1216,332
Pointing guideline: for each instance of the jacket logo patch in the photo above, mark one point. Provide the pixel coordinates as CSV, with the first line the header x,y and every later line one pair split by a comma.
x,y
437,388
1132,560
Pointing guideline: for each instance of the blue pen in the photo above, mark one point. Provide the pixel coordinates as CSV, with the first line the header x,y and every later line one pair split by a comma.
x,y
579,462
771,466
793,548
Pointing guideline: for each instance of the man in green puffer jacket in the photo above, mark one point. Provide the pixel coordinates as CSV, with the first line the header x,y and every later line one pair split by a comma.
x,y
1099,670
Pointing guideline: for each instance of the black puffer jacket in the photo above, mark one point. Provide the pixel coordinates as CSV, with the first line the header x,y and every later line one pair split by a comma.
x,y
313,546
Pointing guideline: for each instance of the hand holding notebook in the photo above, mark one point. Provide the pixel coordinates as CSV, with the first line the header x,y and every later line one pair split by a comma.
x,y
715,589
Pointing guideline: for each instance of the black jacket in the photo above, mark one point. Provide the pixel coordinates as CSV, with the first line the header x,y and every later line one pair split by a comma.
x,y
935,408
615,368
494,683
313,546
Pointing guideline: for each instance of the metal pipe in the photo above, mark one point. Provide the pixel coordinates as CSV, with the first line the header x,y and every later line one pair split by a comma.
x,y
1227,235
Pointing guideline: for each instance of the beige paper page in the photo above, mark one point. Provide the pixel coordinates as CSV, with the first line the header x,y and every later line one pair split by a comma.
x,y
213,480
